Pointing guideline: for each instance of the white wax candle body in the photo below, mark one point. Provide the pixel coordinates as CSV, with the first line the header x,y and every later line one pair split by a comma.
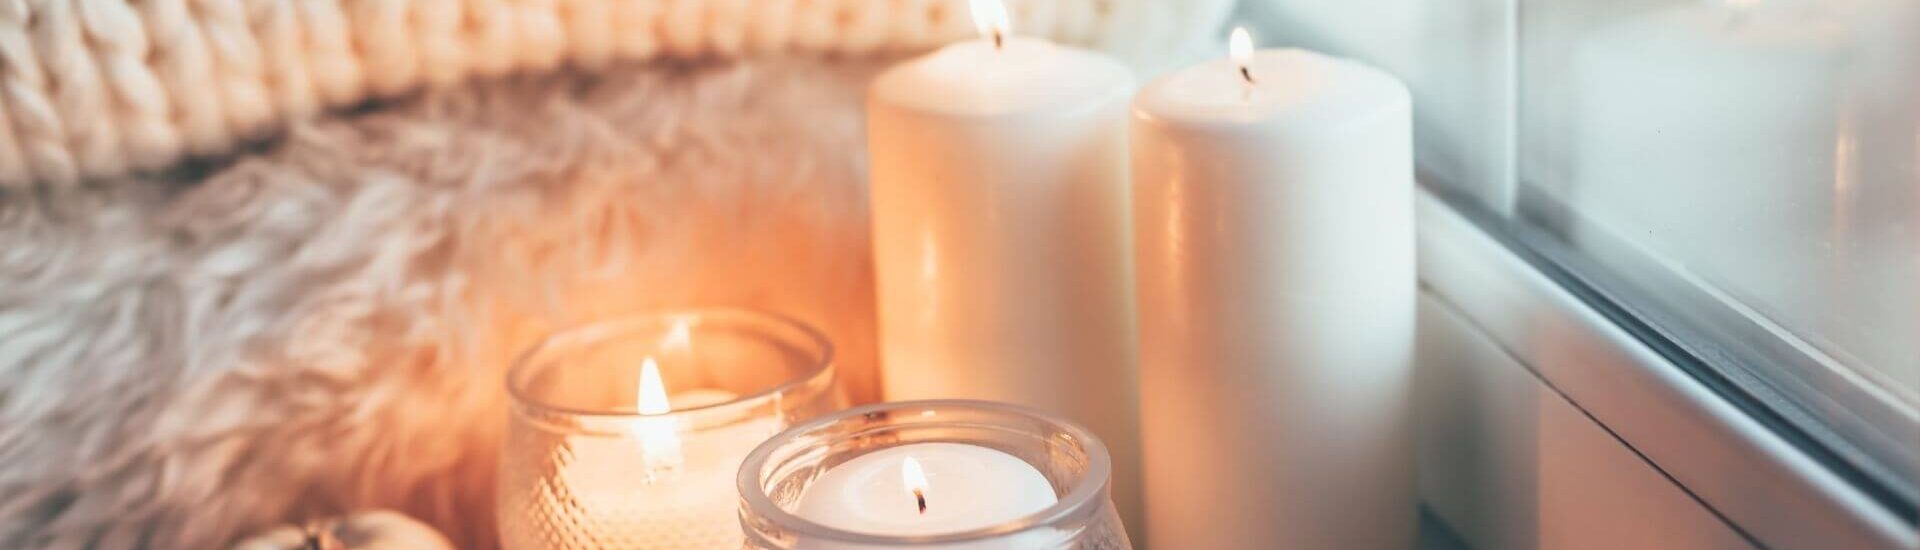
x,y
1001,236
1276,269
1716,137
969,487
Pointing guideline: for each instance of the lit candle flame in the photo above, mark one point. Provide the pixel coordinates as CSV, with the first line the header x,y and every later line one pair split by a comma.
x,y
659,435
990,16
679,337
653,392
915,480
1240,47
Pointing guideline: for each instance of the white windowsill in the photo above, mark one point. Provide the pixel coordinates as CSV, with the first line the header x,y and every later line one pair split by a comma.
x,y
1733,468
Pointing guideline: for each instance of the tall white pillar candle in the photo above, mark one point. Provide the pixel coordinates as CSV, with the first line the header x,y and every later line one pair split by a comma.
x,y
1274,231
1000,233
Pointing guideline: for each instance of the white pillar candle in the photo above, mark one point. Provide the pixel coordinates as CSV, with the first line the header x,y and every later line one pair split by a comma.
x,y
1274,215
926,489
1000,233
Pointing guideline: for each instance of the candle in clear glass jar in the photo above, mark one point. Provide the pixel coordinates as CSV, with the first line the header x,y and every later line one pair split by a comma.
x,y
644,485
931,475
999,196
602,452
1274,232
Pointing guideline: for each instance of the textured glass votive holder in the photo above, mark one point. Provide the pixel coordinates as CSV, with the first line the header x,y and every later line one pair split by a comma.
x,y
775,479
594,458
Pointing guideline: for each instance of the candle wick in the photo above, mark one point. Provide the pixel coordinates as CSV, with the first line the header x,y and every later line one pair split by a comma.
x,y
921,498
999,39
1246,90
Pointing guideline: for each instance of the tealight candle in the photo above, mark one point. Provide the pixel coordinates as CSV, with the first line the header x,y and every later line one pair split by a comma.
x,y
894,491
999,200
602,451
1274,216
944,475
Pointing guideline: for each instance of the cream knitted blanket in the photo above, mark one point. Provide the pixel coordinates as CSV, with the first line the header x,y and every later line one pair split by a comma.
x,y
99,88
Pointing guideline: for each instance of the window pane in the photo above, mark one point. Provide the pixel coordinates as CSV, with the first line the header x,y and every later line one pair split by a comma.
x,y
1743,172
1456,58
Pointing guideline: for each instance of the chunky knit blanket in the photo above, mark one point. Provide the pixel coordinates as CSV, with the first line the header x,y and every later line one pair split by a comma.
x,y
92,89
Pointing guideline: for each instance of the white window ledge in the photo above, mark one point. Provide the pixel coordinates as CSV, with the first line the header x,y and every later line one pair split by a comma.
x,y
1705,469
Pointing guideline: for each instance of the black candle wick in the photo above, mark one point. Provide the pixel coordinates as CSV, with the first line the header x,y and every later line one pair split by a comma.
x,y
921,498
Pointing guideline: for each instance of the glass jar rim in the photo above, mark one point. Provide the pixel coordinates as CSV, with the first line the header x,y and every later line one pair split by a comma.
x,y
524,365
1086,497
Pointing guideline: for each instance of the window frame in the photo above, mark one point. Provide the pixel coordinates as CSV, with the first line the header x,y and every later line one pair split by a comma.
x,y
1763,368
1735,462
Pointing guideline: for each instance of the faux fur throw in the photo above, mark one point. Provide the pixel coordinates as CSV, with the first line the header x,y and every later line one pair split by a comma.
x,y
323,327
97,88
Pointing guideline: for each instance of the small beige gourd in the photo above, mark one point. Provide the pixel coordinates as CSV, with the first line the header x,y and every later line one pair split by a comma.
x,y
378,530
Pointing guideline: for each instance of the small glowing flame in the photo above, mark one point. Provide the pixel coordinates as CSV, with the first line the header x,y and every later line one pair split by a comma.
x,y
679,336
1240,47
915,480
659,435
653,392
990,16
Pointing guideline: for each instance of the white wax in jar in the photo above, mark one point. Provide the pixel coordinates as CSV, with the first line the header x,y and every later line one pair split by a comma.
x,y
966,487
999,196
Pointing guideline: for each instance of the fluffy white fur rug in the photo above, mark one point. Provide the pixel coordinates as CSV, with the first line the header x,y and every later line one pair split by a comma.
x,y
323,325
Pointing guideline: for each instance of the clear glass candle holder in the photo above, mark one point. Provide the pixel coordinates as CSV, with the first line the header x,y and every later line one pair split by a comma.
x,y
628,433
775,479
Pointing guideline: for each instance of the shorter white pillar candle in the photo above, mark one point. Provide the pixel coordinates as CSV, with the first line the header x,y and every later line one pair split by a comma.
x,y
1274,231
